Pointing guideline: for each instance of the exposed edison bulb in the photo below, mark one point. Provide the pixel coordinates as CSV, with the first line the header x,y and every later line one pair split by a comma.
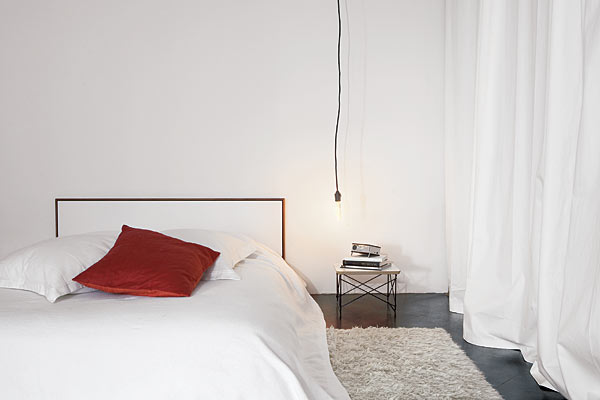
x,y
338,205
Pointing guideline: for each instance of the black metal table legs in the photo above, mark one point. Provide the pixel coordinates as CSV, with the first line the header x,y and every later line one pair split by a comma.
x,y
367,289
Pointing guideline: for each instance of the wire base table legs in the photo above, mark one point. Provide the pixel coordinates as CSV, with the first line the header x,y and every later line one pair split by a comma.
x,y
388,297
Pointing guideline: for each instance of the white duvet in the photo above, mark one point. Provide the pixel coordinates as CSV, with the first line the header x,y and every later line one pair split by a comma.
x,y
262,337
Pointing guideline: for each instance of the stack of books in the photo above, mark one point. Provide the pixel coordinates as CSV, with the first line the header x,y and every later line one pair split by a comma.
x,y
366,256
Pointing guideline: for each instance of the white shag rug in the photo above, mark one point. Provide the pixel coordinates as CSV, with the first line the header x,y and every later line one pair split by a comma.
x,y
404,363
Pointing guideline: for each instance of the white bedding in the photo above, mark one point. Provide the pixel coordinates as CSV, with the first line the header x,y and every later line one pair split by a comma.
x,y
262,337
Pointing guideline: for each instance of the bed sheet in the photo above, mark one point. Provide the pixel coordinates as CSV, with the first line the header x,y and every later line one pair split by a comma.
x,y
262,337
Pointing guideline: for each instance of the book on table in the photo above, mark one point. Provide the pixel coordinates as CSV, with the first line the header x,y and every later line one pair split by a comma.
x,y
377,262
368,268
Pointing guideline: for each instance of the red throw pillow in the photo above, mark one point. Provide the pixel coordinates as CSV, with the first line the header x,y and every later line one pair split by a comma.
x,y
147,263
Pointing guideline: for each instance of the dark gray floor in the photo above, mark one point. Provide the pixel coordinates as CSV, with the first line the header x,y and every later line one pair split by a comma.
x,y
504,369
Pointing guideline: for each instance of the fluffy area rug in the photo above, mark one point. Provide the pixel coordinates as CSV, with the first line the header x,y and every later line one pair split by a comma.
x,y
404,363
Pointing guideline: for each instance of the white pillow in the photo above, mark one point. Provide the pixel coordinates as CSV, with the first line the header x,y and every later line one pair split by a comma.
x,y
48,267
232,249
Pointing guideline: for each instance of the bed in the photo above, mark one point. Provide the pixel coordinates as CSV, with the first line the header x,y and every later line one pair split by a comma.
x,y
260,337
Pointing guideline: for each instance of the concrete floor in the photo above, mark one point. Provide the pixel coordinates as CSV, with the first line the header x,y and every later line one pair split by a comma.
x,y
505,370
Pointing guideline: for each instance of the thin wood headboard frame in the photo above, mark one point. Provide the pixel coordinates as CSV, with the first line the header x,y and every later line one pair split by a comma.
x,y
213,199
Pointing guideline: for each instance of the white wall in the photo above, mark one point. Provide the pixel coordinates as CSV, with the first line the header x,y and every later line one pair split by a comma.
x,y
238,98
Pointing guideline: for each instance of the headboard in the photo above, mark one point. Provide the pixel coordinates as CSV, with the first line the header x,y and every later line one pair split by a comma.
x,y
263,219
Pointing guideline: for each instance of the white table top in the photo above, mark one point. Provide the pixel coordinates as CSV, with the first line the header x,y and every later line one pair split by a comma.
x,y
391,270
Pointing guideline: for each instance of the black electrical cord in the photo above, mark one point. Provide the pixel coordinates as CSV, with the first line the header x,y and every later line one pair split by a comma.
x,y
338,195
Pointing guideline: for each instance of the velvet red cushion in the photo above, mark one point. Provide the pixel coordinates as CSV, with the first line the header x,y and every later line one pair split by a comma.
x,y
147,263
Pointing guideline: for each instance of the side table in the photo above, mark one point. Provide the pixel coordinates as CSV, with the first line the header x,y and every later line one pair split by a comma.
x,y
345,276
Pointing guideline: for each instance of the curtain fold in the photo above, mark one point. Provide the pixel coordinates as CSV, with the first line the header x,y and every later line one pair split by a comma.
x,y
460,68
523,182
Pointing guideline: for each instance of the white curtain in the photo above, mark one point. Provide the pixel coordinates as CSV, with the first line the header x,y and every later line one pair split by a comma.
x,y
523,182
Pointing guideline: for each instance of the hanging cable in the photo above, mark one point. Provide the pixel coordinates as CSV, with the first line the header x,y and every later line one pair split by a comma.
x,y
338,195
